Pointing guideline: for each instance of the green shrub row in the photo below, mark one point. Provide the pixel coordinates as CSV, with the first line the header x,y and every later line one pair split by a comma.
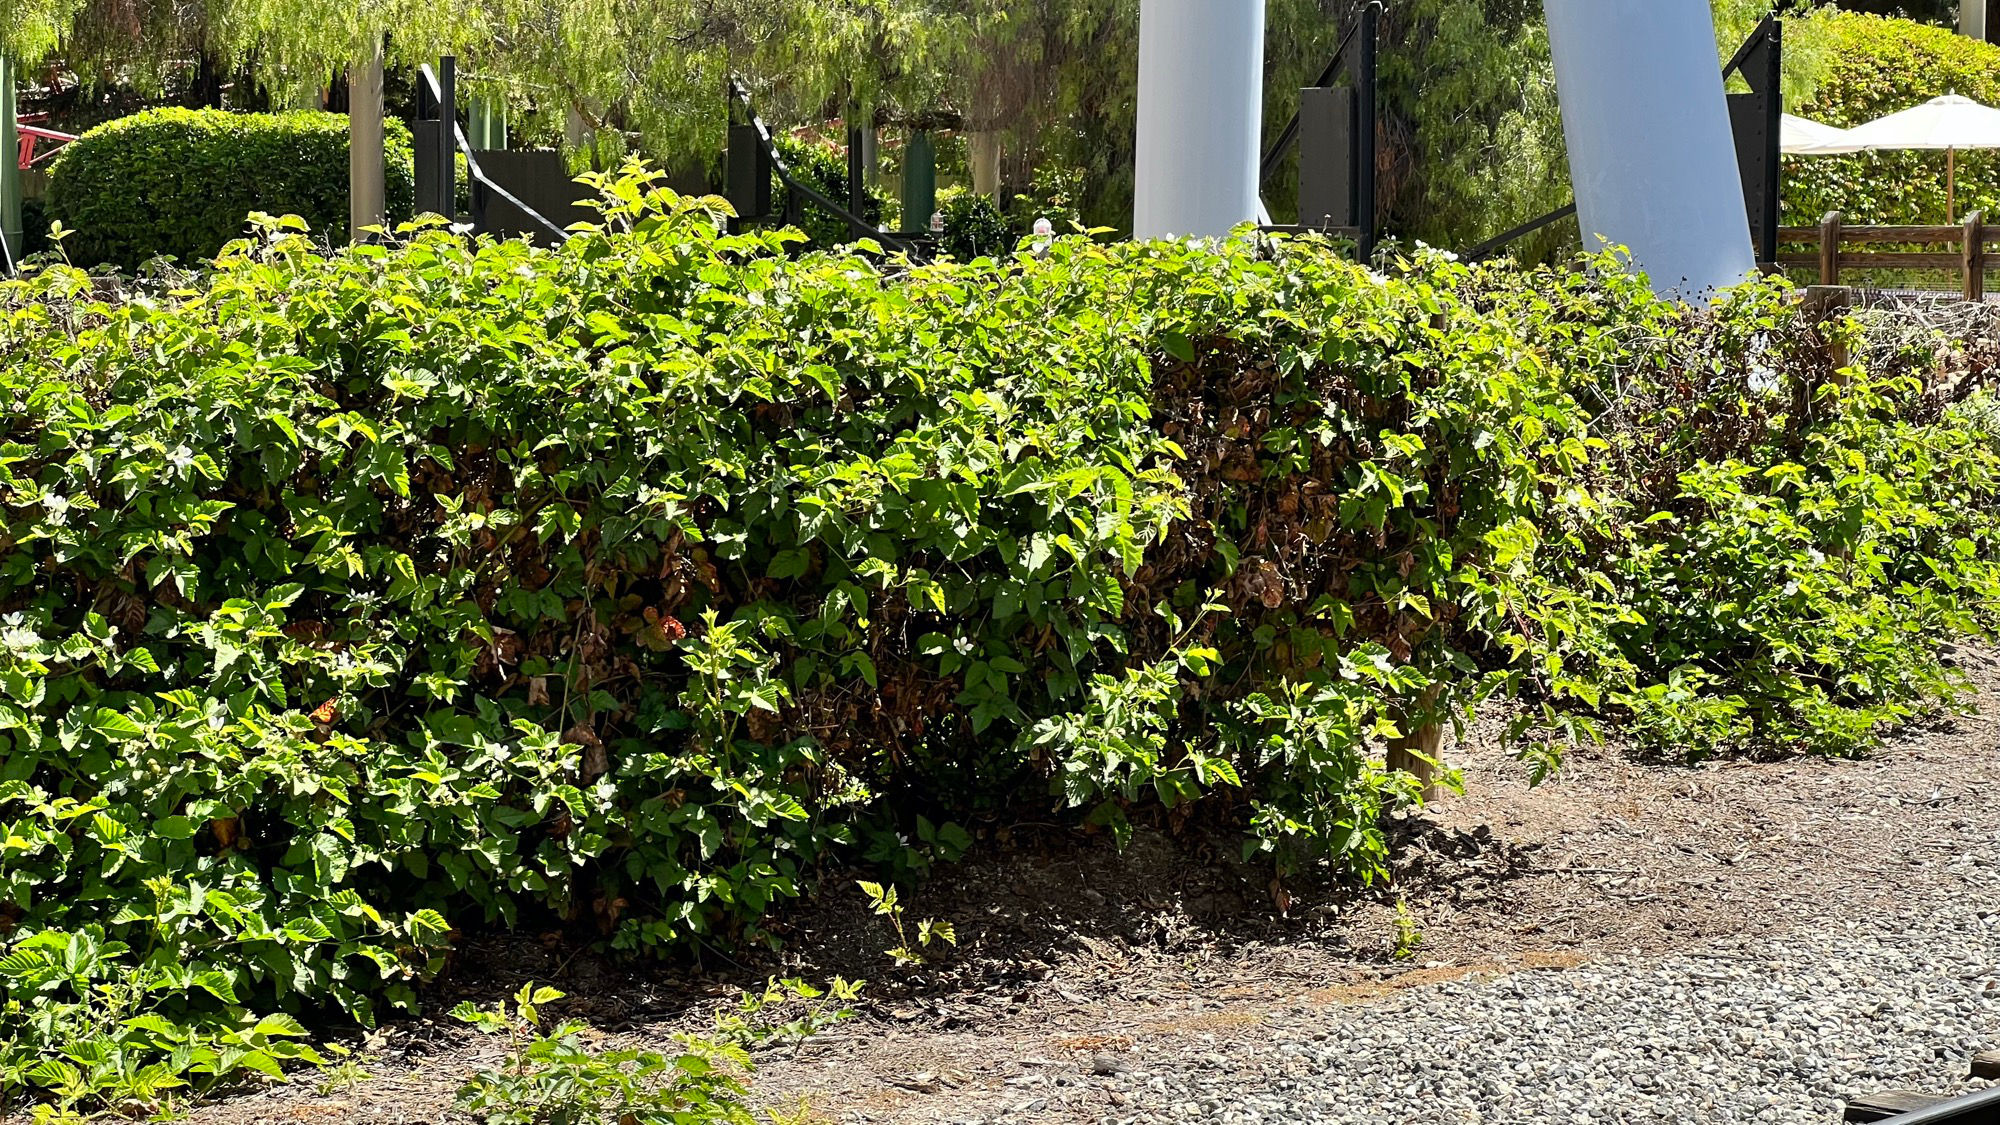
x,y
1765,553
182,182
354,601
1875,66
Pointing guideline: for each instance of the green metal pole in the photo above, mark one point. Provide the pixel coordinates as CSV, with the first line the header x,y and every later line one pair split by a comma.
x,y
919,182
10,164
486,122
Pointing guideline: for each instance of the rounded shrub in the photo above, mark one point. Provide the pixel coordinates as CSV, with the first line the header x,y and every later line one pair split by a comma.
x,y
973,226
1876,66
180,182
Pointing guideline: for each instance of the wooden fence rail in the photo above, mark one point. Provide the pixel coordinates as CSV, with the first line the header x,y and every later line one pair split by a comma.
x,y
1833,238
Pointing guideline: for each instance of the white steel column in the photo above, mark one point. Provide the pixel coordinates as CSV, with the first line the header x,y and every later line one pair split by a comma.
x,y
1201,99
1651,154
365,173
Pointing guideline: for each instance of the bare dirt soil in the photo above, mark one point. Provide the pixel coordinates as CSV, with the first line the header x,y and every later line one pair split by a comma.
x,y
1076,961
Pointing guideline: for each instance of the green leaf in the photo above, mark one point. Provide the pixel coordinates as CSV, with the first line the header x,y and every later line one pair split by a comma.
x,y
280,1024
115,726
174,828
282,596
263,1063
217,985
790,564
1218,769
427,924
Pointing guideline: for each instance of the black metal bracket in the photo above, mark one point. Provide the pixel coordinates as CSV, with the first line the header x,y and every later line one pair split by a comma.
x,y
1487,248
757,134
437,110
440,98
1354,58
1757,120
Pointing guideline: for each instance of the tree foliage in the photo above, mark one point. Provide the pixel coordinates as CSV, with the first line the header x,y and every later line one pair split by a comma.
x,y
1942,13
295,45
1805,40
31,29
1470,121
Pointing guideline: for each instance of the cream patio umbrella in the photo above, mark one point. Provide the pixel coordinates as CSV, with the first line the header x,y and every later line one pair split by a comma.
x,y
1800,137
1950,123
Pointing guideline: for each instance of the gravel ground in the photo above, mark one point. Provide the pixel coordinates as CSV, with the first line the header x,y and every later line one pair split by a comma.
x,y
1841,940
1766,1031
1737,942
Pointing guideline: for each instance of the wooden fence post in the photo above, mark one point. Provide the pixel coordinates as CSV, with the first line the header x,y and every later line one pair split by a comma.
x,y
1416,751
1823,304
1829,249
1974,256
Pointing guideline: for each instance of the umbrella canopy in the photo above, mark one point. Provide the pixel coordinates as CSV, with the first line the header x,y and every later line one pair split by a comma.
x,y
1801,137
1948,122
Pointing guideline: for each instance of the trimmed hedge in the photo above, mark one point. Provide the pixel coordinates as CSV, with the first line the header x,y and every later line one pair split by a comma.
x,y
181,182
354,601
1875,66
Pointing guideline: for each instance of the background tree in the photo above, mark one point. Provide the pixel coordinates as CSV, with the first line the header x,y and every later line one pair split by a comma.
x,y
1471,129
1942,12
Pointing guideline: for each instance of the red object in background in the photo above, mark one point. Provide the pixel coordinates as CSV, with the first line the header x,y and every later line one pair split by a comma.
x,y
31,136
